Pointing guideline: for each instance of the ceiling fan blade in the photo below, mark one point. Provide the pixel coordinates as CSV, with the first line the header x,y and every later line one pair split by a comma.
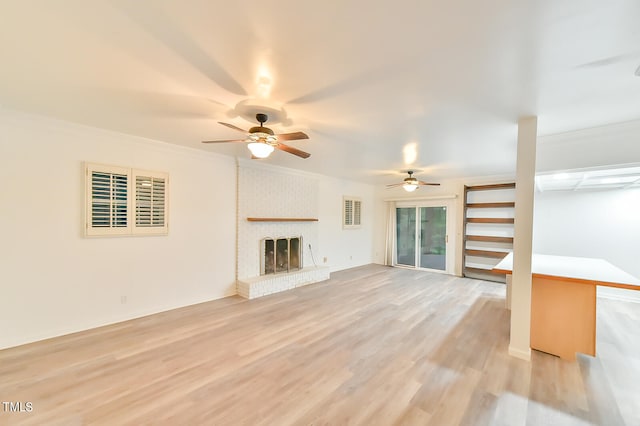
x,y
163,28
427,183
292,136
225,140
292,150
395,185
231,126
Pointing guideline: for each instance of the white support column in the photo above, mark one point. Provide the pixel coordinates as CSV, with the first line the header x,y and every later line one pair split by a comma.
x,y
520,343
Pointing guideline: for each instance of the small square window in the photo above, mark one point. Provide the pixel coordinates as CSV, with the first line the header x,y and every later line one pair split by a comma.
x,y
351,212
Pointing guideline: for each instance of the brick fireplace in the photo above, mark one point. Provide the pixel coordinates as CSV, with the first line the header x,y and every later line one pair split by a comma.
x,y
276,255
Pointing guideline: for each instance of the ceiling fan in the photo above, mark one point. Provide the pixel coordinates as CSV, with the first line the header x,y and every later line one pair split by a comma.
x,y
410,183
262,140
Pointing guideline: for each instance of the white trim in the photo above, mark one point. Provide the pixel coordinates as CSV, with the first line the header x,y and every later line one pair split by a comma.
x,y
519,353
390,235
433,197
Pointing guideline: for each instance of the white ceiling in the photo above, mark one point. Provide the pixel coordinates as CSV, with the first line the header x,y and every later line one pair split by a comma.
x,y
368,81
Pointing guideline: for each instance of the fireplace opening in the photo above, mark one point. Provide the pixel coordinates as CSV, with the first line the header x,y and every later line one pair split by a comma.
x,y
281,255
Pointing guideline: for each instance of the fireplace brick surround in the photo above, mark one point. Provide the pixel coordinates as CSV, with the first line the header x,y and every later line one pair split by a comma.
x,y
266,191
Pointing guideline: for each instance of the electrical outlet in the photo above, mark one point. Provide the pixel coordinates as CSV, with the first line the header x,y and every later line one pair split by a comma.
x,y
325,259
123,299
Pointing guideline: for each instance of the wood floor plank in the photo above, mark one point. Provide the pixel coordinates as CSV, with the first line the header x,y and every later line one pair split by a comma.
x,y
373,345
603,406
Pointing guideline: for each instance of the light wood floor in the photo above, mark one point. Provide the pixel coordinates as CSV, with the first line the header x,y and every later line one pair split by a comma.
x,y
372,346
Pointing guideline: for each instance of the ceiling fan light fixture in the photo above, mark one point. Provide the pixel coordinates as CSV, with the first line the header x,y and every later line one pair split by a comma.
x,y
262,140
263,137
261,130
260,149
410,186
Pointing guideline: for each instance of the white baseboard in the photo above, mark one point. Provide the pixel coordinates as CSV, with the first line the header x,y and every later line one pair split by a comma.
x,y
519,353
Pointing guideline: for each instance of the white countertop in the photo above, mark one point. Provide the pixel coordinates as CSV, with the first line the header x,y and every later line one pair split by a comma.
x,y
597,271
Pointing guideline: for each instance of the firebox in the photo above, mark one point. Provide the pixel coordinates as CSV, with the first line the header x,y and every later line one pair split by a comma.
x,y
280,255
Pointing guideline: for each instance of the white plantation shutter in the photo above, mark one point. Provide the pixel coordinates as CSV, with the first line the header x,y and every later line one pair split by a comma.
x,y
107,200
357,208
144,200
151,202
351,213
348,212
122,201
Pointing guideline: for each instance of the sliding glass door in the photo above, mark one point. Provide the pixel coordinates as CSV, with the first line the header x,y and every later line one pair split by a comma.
x,y
433,238
406,236
421,237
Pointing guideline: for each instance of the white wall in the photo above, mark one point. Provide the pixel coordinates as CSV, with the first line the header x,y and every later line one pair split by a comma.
x,y
344,248
54,281
603,224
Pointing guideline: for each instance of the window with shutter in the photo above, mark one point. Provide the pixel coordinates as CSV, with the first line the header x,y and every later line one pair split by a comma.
x,y
112,209
352,212
151,202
